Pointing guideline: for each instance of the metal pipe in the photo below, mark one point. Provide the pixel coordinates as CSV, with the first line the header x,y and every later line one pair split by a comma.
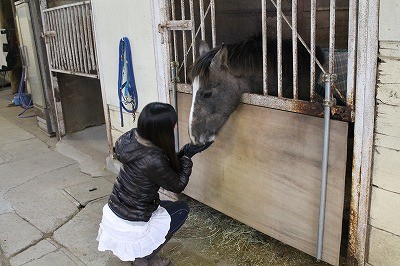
x,y
213,27
202,24
351,69
294,45
174,32
328,103
184,44
193,45
279,44
264,44
174,81
312,44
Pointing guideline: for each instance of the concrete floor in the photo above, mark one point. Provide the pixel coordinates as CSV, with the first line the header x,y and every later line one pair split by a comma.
x,y
68,237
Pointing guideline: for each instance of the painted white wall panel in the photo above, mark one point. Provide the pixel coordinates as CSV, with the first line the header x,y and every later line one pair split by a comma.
x,y
383,248
385,210
389,20
114,19
386,169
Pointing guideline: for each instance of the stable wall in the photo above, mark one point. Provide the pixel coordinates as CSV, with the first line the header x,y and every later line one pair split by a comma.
x,y
384,238
264,169
112,21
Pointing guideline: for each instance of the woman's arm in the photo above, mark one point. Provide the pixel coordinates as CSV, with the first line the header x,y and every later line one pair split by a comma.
x,y
159,171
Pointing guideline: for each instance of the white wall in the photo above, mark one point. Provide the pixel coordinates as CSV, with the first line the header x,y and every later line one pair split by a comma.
x,y
389,20
384,225
114,19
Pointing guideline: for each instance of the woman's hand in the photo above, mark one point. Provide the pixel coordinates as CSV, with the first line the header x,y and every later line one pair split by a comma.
x,y
189,150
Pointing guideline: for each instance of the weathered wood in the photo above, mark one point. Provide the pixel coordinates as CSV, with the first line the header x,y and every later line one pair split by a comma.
x,y
386,169
383,248
264,170
385,210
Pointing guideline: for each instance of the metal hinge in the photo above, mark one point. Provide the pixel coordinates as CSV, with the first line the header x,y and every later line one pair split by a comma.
x,y
175,25
50,33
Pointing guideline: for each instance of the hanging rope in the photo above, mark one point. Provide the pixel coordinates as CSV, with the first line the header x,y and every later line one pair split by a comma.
x,y
127,93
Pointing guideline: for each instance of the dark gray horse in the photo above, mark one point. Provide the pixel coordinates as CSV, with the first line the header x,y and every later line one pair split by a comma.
x,y
221,75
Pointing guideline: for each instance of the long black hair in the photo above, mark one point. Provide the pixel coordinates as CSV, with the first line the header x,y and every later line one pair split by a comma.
x,y
156,123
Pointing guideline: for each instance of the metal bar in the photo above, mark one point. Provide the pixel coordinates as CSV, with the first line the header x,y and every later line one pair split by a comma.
x,y
264,44
194,52
213,26
64,29
329,79
68,37
295,54
325,159
90,35
75,73
73,40
86,39
300,38
63,43
195,36
184,44
338,112
351,63
53,52
65,6
168,32
174,33
78,39
332,19
174,81
202,25
177,25
82,40
279,44
312,44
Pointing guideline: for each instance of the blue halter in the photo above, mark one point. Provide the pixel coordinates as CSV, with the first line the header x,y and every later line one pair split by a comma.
x,y
127,93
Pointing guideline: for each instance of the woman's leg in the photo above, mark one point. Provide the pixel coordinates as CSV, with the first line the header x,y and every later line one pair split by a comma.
x,y
178,210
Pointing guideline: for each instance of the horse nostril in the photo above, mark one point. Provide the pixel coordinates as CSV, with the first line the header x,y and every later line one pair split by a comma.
x,y
207,94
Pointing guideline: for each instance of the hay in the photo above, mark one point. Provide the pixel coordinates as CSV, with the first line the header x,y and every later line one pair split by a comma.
x,y
218,238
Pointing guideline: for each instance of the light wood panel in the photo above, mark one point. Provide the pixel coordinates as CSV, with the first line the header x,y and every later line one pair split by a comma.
x,y
264,170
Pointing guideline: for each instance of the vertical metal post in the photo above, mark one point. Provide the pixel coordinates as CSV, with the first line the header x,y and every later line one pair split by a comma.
x,y
194,45
213,27
174,32
328,103
294,45
279,44
174,81
184,44
351,64
264,44
202,24
312,44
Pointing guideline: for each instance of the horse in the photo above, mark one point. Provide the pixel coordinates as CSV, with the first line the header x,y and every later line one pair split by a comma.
x,y
221,75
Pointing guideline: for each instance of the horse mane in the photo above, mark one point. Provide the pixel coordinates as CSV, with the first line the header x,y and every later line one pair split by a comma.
x,y
243,57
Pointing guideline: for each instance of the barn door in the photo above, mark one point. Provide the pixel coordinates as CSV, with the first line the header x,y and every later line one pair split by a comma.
x,y
70,46
182,24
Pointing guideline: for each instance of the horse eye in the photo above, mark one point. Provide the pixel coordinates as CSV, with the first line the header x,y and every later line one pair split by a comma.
x,y
207,94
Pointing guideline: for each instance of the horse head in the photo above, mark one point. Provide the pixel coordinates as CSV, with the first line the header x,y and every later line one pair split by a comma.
x,y
216,93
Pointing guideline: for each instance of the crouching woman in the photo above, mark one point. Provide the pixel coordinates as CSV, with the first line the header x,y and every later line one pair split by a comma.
x,y
135,223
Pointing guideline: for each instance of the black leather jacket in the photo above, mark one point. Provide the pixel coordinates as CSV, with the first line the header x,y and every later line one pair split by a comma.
x,y
145,169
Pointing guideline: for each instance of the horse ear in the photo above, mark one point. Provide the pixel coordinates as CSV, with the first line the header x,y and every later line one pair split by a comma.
x,y
220,59
203,47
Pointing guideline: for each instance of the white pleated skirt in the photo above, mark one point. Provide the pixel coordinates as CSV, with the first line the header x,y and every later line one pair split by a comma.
x,y
129,240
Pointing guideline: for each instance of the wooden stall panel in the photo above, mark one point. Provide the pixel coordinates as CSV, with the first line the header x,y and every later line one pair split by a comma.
x,y
264,170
